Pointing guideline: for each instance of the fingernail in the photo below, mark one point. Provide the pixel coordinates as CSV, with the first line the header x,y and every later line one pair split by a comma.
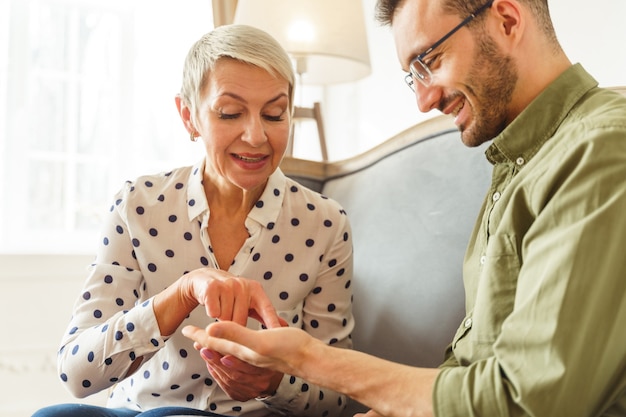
x,y
206,354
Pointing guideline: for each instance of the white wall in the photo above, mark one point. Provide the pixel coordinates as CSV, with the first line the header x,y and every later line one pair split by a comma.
x,y
360,115
36,297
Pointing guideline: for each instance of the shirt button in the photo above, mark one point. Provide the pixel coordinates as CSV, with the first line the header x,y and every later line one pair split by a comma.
x,y
520,161
496,196
483,259
468,323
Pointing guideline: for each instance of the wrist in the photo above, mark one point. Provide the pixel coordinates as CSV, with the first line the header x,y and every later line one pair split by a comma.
x,y
172,305
310,357
184,293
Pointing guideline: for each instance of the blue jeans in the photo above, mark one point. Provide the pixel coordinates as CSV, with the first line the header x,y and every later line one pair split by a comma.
x,y
82,410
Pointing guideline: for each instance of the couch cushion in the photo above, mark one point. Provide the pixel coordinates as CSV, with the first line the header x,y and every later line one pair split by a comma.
x,y
412,213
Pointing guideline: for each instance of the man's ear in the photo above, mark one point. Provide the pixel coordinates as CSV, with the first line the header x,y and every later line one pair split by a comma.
x,y
185,114
510,20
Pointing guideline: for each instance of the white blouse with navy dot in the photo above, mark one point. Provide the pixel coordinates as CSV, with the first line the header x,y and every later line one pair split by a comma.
x,y
299,248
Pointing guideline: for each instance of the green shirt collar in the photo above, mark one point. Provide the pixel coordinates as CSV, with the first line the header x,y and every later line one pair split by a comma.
x,y
538,122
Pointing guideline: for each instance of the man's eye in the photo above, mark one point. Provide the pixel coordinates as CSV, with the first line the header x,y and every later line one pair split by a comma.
x,y
432,62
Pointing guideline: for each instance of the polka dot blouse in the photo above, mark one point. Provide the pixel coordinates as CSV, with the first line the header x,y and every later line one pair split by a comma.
x,y
299,248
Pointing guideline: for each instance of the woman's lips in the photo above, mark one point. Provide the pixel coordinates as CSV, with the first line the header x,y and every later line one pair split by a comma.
x,y
249,161
248,158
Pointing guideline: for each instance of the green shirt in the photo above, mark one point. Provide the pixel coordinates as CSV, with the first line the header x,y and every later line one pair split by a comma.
x,y
545,270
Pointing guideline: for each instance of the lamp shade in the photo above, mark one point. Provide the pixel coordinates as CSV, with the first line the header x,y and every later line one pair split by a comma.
x,y
326,38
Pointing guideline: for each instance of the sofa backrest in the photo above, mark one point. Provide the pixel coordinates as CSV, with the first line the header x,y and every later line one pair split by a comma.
x,y
412,203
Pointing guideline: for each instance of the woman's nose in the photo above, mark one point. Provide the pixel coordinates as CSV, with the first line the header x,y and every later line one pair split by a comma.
x,y
254,132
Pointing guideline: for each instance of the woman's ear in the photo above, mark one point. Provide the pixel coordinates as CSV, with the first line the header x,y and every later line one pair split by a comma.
x,y
185,114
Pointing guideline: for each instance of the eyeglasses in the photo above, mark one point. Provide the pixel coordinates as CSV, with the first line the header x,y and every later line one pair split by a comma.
x,y
418,70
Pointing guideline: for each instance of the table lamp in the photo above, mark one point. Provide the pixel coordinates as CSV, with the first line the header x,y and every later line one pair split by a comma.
x,y
326,39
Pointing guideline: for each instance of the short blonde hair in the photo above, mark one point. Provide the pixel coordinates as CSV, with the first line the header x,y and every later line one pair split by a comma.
x,y
241,42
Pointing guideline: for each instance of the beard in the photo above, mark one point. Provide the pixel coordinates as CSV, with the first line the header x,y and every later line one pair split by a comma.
x,y
491,81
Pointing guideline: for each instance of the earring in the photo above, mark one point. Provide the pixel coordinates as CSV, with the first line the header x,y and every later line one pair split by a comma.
x,y
192,136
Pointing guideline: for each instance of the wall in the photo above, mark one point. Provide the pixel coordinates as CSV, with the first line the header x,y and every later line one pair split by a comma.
x,y
36,296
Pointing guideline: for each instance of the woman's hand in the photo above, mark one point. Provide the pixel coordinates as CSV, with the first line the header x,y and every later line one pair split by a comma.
x,y
229,298
224,296
240,380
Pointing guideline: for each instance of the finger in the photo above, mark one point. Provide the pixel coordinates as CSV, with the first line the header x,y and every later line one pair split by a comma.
x,y
212,303
211,356
236,364
239,386
228,297
196,334
240,310
220,296
370,413
254,315
233,375
265,311
220,341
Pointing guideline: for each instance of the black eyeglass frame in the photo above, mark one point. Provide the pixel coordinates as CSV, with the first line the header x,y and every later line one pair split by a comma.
x,y
426,79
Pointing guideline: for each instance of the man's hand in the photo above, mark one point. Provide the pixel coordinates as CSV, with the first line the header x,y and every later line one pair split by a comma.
x,y
280,349
370,413
377,383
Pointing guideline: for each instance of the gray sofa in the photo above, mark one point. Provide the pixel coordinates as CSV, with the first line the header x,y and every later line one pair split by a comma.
x,y
412,202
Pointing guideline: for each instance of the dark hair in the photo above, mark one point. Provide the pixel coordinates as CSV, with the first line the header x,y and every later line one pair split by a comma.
x,y
386,9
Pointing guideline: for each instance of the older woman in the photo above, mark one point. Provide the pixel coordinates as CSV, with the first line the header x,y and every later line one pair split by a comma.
x,y
229,238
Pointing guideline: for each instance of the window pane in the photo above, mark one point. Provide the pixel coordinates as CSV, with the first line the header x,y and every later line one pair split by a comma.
x,y
89,103
47,100
48,36
46,195
91,180
99,54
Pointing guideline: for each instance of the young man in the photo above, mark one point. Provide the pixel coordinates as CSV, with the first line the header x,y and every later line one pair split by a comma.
x,y
544,270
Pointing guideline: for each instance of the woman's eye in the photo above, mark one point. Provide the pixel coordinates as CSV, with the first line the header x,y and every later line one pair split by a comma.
x,y
228,116
278,118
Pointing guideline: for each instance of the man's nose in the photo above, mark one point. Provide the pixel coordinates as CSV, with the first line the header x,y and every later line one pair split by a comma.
x,y
427,97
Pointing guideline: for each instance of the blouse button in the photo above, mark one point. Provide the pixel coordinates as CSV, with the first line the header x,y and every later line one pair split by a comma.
x,y
483,259
496,196
468,323
520,161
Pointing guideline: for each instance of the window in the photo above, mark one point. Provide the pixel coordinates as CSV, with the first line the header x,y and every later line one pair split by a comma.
x,y
86,101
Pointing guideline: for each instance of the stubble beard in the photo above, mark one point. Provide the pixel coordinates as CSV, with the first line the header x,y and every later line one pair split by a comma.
x,y
491,81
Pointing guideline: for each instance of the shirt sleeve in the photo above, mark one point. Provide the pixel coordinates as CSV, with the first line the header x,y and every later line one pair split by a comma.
x,y
560,351
450,360
110,328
